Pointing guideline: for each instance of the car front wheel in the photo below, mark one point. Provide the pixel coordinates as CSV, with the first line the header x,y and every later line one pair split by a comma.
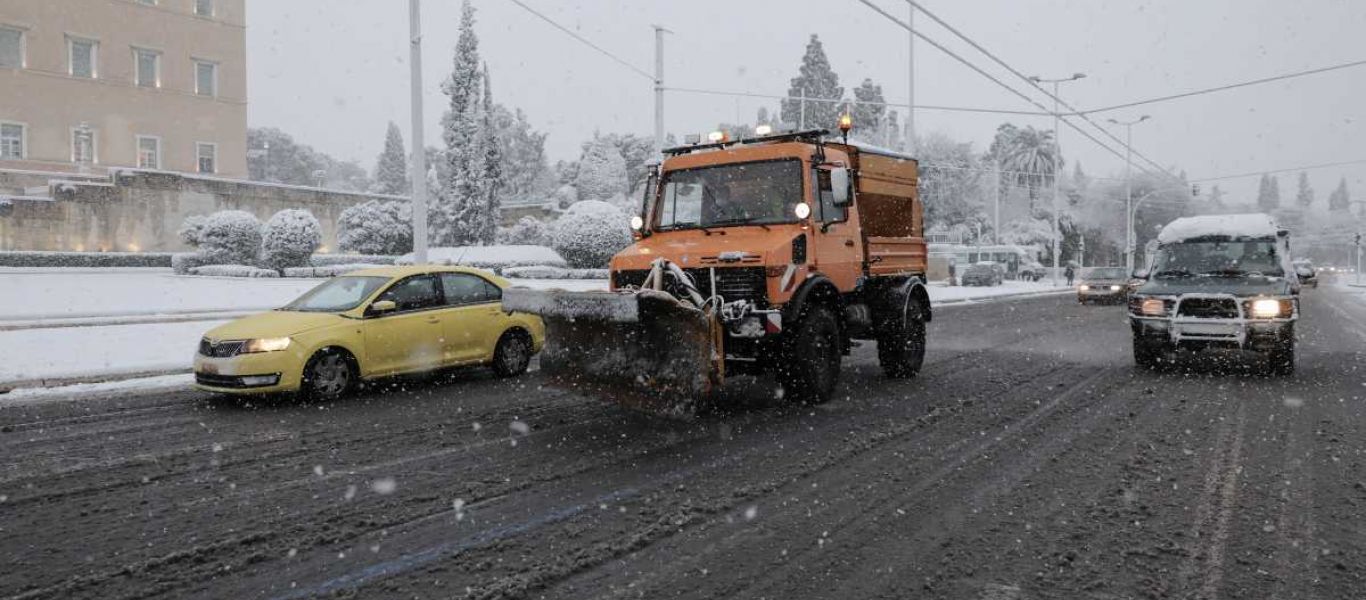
x,y
328,375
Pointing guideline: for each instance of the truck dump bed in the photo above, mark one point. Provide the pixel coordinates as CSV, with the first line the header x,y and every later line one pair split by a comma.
x,y
891,214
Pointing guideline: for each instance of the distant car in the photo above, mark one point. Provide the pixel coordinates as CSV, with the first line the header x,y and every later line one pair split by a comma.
x,y
1103,284
985,273
1033,271
369,324
1304,270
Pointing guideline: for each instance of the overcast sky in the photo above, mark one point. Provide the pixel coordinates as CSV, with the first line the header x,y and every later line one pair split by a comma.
x,y
333,72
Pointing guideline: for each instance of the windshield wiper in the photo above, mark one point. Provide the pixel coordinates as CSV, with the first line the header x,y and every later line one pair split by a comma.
x,y
740,221
1227,272
1173,273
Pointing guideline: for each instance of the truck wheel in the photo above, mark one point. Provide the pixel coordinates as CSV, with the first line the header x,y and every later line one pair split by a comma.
x,y
811,357
1282,355
901,349
1147,355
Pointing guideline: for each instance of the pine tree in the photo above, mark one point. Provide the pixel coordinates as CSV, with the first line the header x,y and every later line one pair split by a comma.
x,y
868,117
1339,200
816,81
1305,196
391,171
456,218
492,178
602,173
1268,194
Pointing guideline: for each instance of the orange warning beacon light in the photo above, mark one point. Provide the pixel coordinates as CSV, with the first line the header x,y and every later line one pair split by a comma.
x,y
846,123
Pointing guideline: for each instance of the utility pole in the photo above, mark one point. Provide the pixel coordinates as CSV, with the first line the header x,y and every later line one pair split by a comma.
x,y
1057,170
996,208
910,82
1130,243
419,174
659,87
801,113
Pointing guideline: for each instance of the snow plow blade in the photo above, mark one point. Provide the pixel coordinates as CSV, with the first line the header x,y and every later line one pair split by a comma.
x,y
643,350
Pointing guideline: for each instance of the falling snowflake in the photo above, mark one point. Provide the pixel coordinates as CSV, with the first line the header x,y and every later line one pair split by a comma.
x,y
519,427
751,512
1293,402
350,492
318,470
384,486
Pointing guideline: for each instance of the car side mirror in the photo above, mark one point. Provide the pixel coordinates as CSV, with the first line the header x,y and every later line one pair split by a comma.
x,y
839,185
380,307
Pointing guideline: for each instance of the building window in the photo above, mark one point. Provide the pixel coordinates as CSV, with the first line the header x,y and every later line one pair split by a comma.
x,y
11,48
148,64
81,57
11,141
205,78
148,2
203,8
83,146
207,155
149,152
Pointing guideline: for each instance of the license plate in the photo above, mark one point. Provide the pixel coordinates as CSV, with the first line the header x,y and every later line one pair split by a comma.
x,y
1208,329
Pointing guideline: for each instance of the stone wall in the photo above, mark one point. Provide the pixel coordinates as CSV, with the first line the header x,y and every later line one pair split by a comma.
x,y
140,211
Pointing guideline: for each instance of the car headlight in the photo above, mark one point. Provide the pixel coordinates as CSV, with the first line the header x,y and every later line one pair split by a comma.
x,y
1084,287
1266,308
1114,288
1154,307
265,345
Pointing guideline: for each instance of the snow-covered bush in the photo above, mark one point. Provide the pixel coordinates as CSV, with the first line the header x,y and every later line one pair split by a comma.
x,y
39,258
324,260
192,230
602,171
182,262
290,238
327,271
230,237
565,196
376,227
233,271
590,232
489,257
527,231
548,272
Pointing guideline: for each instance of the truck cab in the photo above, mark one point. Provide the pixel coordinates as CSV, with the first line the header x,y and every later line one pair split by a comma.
x,y
1221,281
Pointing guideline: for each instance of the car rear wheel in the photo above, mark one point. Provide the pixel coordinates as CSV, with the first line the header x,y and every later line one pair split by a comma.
x,y
329,375
512,355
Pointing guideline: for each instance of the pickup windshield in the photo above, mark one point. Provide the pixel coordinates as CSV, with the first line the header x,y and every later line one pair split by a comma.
x,y
1218,259
737,194
1107,273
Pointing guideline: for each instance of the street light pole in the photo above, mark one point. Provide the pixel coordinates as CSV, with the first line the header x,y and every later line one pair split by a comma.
x,y
1130,209
659,87
419,174
1057,169
910,82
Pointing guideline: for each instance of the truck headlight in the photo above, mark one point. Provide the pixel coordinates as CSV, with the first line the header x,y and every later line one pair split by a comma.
x,y
637,223
1266,308
265,345
1154,307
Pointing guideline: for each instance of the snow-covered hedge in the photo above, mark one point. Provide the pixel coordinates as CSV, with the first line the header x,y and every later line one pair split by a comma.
x,y
230,237
528,231
544,272
590,232
289,239
323,260
376,227
233,271
327,271
490,257
182,262
27,258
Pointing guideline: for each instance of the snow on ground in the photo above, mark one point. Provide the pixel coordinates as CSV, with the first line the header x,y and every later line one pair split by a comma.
x,y
104,389
61,293
97,351
942,293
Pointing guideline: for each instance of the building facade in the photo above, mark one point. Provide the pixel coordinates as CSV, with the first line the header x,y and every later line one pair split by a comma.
x,y
98,84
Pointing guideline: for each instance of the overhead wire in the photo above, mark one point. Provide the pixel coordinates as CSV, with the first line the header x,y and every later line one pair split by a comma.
x,y
585,41
1222,88
845,101
1285,170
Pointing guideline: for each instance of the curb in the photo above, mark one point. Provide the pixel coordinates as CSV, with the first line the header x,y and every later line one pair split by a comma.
x,y
56,382
989,299
60,323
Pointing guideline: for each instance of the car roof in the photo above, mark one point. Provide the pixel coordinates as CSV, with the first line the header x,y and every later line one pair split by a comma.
x,y
406,270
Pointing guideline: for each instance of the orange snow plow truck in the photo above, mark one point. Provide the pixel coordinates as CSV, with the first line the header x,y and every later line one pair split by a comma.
x,y
767,256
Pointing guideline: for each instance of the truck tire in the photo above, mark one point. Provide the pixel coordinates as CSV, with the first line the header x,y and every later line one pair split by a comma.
x,y
901,347
811,357
1282,354
1147,355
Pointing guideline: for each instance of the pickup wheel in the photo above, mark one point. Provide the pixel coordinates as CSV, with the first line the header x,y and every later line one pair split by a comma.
x,y
1282,355
901,348
1147,355
811,357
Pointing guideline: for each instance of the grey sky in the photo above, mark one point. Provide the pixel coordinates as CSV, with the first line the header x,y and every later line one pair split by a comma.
x,y
333,72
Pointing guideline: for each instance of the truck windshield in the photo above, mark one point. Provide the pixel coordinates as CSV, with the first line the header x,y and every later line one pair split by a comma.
x,y
1218,258
736,194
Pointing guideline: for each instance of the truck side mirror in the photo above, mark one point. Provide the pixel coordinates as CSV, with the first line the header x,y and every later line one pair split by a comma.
x,y
839,185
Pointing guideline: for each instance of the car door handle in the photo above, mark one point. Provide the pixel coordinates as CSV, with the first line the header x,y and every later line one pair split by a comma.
x,y
434,321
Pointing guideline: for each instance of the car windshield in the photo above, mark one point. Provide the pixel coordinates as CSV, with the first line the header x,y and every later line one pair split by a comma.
x,y
337,295
1218,258
737,194
1106,273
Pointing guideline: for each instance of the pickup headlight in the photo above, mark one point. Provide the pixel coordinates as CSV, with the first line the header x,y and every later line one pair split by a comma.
x,y
1084,287
1114,288
1269,308
1153,307
265,345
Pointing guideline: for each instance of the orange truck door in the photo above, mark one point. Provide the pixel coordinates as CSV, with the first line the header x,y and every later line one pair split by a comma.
x,y
837,250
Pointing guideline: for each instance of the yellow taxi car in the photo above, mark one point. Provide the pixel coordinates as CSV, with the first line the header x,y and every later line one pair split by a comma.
x,y
369,324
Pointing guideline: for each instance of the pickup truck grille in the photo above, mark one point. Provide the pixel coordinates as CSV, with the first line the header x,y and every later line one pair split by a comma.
x,y
732,283
1208,308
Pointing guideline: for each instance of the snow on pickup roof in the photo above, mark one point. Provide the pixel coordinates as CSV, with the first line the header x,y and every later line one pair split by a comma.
x,y
1248,226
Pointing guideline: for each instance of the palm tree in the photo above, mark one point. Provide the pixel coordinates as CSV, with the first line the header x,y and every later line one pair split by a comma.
x,y
1027,156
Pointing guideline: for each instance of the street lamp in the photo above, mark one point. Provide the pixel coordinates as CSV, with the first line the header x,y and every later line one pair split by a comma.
x,y
1128,187
1057,167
